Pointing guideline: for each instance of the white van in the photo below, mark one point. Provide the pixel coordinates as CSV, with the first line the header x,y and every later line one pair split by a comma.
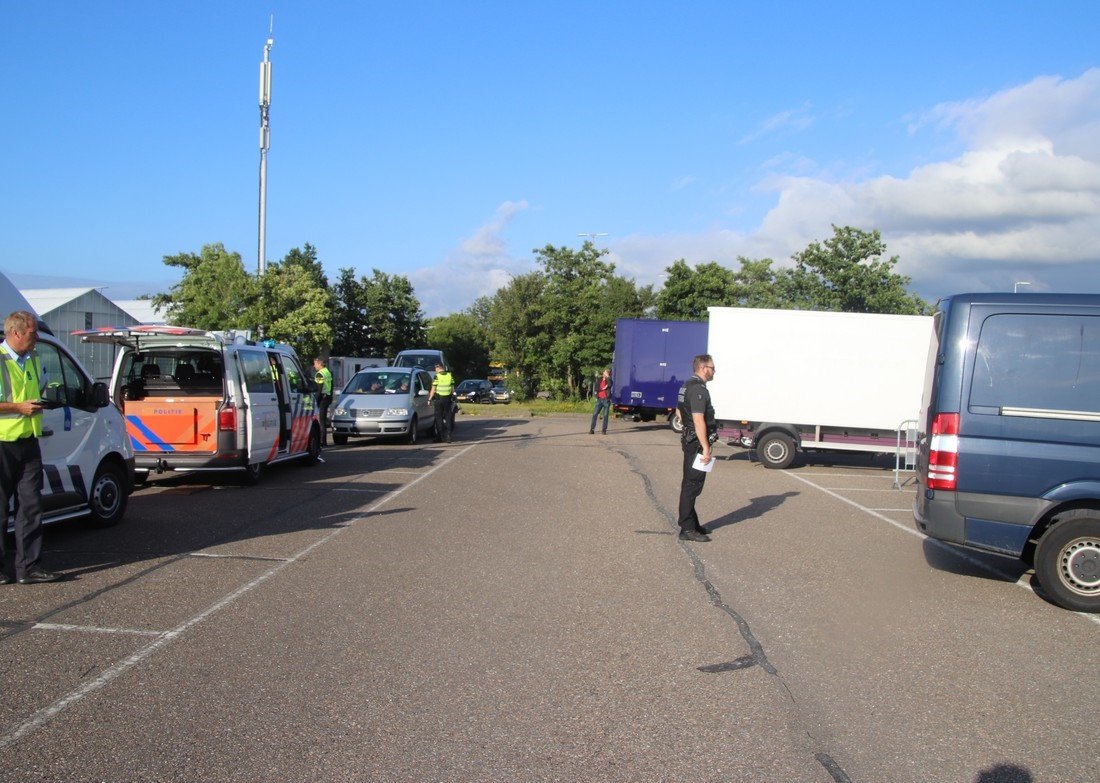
x,y
197,400
87,460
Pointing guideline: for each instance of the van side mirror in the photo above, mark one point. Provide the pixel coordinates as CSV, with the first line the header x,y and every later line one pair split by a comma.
x,y
100,397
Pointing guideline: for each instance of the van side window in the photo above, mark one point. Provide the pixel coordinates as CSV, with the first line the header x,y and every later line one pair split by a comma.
x,y
64,382
257,372
1046,362
294,374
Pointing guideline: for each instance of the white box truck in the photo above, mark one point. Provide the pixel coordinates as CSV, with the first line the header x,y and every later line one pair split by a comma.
x,y
790,380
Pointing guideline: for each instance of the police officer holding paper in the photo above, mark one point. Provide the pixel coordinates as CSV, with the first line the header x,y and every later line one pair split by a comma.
x,y
697,415
22,381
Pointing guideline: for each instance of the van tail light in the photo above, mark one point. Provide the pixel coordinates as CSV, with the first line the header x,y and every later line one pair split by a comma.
x,y
943,457
227,419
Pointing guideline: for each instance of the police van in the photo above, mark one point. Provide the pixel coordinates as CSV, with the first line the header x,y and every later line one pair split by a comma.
x,y
87,461
195,400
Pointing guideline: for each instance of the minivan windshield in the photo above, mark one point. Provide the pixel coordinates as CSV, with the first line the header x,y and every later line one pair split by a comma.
x,y
425,361
378,382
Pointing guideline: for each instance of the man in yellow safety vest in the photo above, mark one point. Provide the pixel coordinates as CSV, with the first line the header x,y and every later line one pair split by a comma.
x,y
22,381
442,398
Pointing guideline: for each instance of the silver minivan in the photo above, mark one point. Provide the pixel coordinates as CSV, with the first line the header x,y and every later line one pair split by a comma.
x,y
386,401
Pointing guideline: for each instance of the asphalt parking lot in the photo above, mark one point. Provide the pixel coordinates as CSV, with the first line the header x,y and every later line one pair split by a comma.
x,y
515,606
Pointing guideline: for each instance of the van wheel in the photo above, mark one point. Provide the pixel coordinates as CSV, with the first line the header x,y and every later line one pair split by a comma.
x,y
1067,561
676,422
775,450
339,440
313,453
411,435
107,499
253,473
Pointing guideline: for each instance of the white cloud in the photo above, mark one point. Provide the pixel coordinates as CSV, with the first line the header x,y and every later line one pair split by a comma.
x,y
1021,202
478,267
797,119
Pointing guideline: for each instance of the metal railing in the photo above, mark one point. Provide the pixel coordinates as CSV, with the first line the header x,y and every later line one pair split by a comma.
x,y
905,455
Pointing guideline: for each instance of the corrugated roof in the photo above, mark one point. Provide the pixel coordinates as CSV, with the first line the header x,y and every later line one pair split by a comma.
x,y
43,300
142,310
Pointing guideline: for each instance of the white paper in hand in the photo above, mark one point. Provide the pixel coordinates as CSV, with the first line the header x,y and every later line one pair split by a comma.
x,y
698,464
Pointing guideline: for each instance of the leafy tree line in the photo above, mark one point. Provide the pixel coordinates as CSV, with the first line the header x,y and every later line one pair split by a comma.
x,y
554,327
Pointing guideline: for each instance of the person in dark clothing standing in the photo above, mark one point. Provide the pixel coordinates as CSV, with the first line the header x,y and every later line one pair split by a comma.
x,y
603,402
697,415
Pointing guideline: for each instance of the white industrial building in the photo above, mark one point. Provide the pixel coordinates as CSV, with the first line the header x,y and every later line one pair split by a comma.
x,y
66,310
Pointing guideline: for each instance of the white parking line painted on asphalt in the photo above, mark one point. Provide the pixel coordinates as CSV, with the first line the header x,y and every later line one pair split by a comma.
x,y
913,531
92,629
46,714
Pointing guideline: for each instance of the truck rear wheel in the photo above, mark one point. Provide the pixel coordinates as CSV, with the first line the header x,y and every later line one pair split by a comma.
x,y
1067,561
775,450
675,422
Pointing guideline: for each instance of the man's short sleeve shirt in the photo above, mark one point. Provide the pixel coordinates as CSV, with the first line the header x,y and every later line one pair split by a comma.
x,y
697,399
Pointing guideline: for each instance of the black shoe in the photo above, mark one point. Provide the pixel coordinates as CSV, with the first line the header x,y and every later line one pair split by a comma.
x,y
5,579
591,432
691,535
38,576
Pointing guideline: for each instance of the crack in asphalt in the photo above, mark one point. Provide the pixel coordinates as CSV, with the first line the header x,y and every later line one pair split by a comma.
x,y
757,656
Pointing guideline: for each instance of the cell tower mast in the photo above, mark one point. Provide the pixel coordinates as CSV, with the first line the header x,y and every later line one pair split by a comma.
x,y
265,142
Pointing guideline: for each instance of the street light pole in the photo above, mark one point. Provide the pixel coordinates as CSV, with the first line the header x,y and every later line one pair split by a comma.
x,y
592,237
265,143
1017,284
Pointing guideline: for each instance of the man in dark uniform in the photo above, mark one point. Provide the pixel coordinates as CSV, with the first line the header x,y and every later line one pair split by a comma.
x,y
697,415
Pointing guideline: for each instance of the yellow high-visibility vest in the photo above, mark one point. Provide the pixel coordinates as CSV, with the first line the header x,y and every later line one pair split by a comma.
x,y
20,384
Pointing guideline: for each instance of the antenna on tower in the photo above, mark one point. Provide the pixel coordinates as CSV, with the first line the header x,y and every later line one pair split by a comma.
x,y
265,141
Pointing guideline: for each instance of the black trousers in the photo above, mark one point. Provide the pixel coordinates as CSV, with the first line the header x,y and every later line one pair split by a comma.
x,y
691,486
322,408
442,406
21,478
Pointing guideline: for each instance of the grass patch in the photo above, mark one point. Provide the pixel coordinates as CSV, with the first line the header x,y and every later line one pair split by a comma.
x,y
528,408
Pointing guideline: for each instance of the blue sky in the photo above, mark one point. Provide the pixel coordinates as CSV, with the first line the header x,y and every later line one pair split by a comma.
x,y
446,141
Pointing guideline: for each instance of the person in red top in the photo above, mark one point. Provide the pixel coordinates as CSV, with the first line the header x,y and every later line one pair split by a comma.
x,y
603,402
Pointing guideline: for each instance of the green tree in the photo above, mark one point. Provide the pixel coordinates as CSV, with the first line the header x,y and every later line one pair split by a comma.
x,y
351,325
376,316
463,341
687,292
215,292
847,272
571,318
394,314
517,339
294,308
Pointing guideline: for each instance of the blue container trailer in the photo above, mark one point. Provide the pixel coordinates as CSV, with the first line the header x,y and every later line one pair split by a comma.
x,y
652,360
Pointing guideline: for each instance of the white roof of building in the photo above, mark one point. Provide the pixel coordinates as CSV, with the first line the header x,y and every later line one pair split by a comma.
x,y
45,300
143,310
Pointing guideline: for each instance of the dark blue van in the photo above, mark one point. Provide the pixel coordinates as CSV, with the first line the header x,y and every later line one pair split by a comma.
x,y
1009,448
